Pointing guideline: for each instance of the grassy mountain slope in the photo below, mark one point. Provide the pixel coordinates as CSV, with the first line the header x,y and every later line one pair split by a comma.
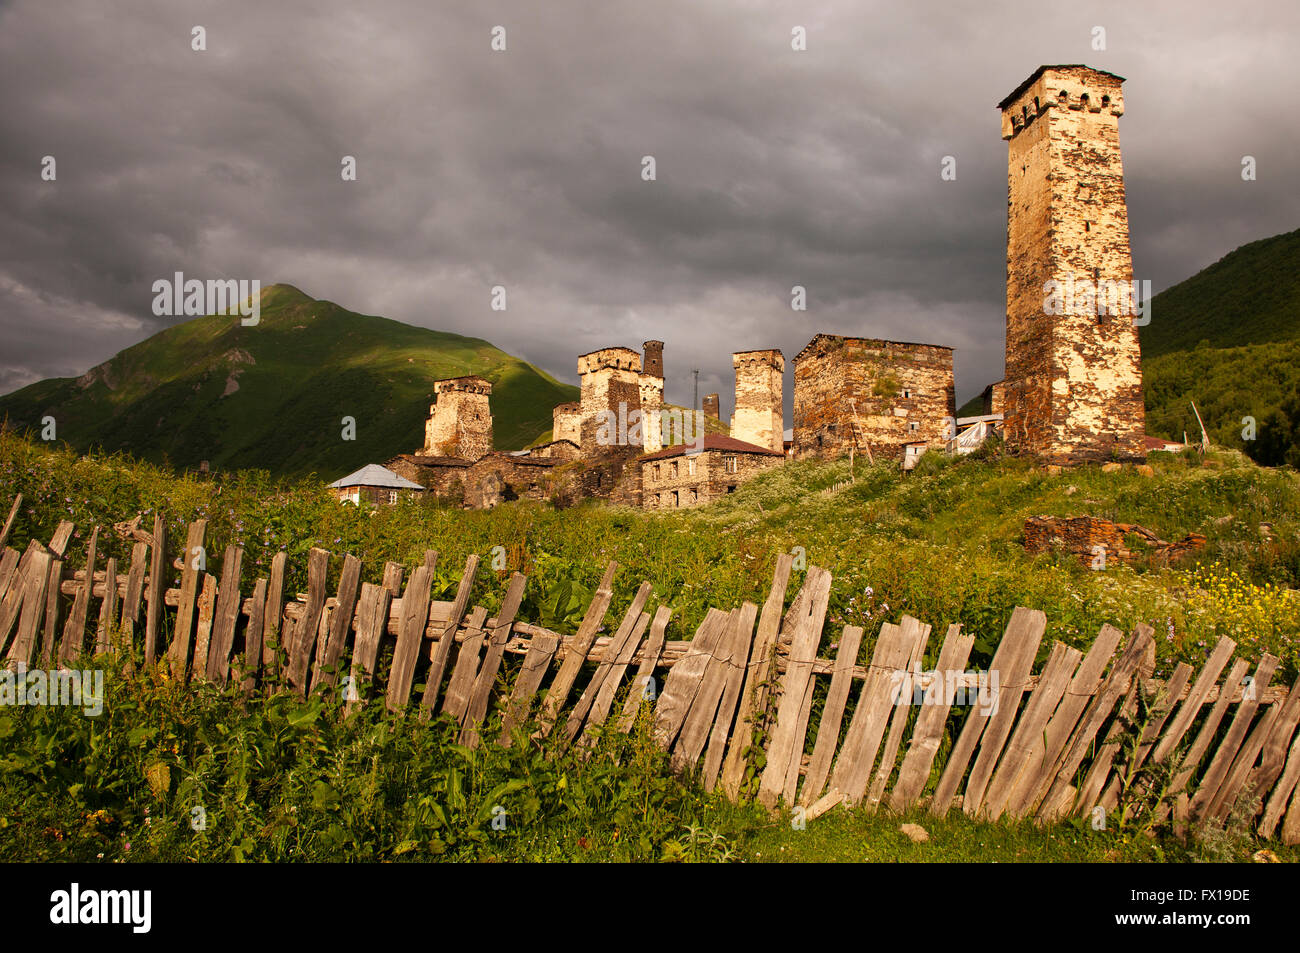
x,y
1250,296
273,396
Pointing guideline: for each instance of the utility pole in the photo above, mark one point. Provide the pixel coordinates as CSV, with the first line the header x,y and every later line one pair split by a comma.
x,y
695,395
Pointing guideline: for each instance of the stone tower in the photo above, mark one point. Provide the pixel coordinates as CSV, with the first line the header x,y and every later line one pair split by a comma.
x,y
652,396
460,419
1073,387
758,416
610,383
711,406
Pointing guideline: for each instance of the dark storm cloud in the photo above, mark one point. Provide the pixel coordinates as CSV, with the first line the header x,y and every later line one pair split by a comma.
x,y
522,168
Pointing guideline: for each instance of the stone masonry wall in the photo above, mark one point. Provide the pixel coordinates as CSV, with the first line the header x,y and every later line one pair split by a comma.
x,y
698,478
759,414
1073,386
902,393
460,419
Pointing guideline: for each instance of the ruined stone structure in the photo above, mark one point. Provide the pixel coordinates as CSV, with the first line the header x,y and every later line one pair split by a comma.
x,y
1073,387
711,407
855,393
567,422
460,419
681,477
759,415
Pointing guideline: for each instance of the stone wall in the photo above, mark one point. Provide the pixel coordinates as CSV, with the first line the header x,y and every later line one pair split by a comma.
x,y
460,419
608,378
860,392
685,480
1073,385
442,477
566,422
759,416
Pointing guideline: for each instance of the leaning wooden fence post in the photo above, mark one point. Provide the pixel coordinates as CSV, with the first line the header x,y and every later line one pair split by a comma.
x,y
156,591
74,633
753,694
191,559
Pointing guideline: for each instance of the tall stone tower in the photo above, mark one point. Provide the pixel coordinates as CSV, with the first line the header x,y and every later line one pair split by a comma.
x,y
759,417
652,396
1073,388
610,383
460,419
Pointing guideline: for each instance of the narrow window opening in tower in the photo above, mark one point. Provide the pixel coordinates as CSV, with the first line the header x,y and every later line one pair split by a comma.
x,y
1105,101
1083,100
1086,226
1063,97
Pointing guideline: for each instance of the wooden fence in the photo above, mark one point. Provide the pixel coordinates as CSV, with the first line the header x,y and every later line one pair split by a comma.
x,y
1089,732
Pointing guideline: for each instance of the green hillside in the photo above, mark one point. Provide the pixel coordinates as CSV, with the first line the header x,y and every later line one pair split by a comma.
x,y
1250,296
273,396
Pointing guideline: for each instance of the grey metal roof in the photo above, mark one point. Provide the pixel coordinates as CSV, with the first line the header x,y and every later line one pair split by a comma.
x,y
372,474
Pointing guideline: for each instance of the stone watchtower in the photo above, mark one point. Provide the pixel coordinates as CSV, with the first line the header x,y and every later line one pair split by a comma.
x,y
460,420
610,381
759,417
652,396
1073,387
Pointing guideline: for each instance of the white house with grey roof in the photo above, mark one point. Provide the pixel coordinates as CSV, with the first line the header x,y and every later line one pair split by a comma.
x,y
374,484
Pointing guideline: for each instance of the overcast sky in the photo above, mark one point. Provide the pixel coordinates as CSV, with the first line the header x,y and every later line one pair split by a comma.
x,y
523,168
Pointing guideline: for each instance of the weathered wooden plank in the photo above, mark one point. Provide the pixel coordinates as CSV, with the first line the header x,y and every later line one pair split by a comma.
x,y
754,693
225,617
1022,631
156,591
252,654
1115,686
617,646
485,679
33,609
1286,784
742,637
870,717
576,652
12,603
1161,707
1099,771
786,743
642,689
461,682
1048,749
50,642
1219,765
1016,766
372,623
192,557
9,520
410,633
1192,705
441,651
302,641
340,623
203,628
74,632
930,721
275,633
1225,798
1273,755
1025,632
1192,759
920,635
107,612
393,573
134,590
62,536
8,567
541,649
684,679
828,731
704,706
1291,826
